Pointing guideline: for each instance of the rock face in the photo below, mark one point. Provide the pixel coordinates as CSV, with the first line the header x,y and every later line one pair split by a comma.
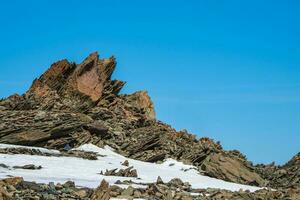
x,y
230,169
77,86
73,104
286,176
37,127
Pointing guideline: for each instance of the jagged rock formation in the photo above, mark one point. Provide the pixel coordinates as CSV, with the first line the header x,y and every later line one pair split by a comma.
x,y
73,104
69,86
286,176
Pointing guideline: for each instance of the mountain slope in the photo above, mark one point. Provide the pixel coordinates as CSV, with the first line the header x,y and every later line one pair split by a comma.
x,y
87,172
74,104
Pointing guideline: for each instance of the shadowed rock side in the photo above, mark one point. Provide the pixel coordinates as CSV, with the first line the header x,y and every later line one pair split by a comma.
x,y
73,104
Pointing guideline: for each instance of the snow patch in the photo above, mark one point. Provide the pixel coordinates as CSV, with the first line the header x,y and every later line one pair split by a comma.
x,y
87,172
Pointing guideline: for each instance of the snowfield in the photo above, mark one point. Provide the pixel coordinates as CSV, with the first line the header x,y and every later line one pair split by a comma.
x,y
85,173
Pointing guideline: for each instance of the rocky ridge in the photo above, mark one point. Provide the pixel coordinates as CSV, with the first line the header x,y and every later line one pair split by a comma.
x,y
73,104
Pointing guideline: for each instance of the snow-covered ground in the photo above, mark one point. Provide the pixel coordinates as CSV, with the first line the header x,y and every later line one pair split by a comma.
x,y
86,172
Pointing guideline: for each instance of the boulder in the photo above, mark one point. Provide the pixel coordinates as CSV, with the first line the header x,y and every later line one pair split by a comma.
x,y
102,192
128,172
4,195
221,166
29,166
125,163
11,181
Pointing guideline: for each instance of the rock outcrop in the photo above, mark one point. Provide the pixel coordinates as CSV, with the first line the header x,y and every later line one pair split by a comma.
x,y
73,104
69,86
286,176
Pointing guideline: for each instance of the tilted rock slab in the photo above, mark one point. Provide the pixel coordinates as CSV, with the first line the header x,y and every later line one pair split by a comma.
x,y
73,104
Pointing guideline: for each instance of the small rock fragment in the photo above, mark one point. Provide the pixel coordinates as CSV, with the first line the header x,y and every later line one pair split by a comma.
x,y
125,163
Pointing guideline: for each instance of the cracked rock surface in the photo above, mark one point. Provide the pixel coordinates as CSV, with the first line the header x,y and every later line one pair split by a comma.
x,y
73,104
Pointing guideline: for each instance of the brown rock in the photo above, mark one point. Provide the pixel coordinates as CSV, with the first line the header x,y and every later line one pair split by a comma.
x,y
141,101
221,166
53,79
128,172
97,129
4,195
89,78
30,167
102,192
159,180
12,181
125,163
74,104
284,176
82,193
128,191
69,184
137,194
36,127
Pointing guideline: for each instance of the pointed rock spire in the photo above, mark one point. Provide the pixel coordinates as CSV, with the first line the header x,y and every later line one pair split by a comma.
x,y
91,79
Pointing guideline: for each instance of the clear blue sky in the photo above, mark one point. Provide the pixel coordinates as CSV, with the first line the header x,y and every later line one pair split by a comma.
x,y
229,70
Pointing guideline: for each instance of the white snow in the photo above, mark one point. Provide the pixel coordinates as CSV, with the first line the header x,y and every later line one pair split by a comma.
x,y
86,172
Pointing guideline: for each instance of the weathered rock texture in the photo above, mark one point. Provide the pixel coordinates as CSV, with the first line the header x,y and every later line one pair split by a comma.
x,y
18,189
286,176
73,104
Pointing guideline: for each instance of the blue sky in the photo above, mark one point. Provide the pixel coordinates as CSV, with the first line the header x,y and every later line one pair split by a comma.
x,y
229,70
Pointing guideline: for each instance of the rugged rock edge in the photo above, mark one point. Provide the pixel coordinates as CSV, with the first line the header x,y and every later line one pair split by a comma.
x,y
73,104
